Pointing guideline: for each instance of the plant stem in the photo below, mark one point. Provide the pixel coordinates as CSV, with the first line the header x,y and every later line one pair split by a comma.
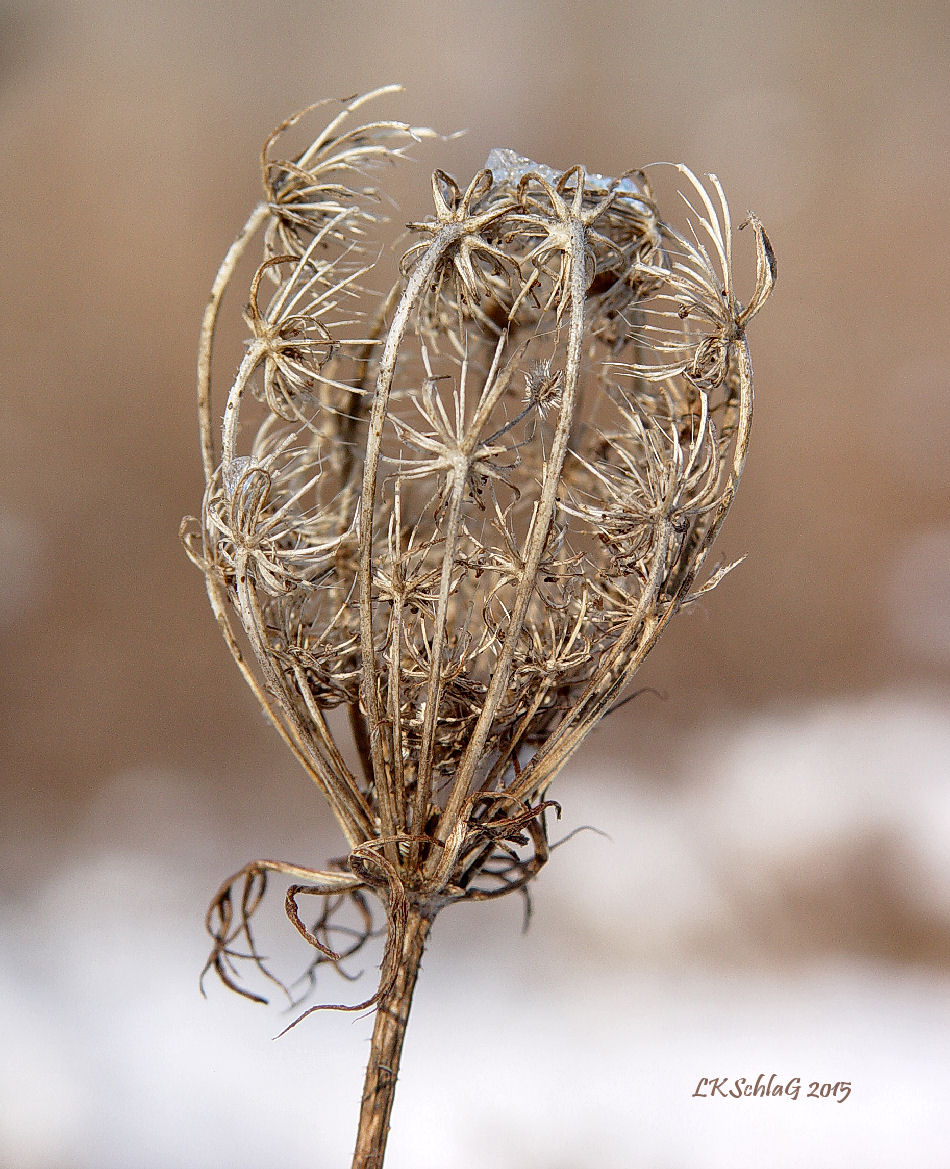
x,y
392,1015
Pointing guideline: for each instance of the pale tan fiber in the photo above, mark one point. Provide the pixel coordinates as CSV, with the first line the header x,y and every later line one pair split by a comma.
x,y
462,509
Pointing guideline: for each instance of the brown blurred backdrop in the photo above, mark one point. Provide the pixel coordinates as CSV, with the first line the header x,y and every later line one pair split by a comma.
x,y
130,134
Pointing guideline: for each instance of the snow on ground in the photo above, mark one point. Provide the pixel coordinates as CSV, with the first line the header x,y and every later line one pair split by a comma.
x,y
653,960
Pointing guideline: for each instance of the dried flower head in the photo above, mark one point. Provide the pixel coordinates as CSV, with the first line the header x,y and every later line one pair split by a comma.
x,y
464,510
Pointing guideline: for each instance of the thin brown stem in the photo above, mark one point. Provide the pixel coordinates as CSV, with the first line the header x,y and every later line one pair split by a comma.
x,y
392,1015
418,281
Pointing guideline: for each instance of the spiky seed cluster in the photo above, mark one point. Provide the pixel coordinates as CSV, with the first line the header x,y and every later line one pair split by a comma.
x,y
463,510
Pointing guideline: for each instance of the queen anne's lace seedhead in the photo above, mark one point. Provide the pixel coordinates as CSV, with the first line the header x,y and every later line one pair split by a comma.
x,y
465,509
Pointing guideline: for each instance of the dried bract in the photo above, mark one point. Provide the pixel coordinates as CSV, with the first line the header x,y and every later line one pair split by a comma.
x,y
463,510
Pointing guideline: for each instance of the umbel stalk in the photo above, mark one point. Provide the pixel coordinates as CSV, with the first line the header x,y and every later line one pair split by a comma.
x,y
462,509
389,1031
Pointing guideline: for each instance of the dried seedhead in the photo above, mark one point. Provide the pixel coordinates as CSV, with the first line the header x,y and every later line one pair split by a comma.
x,y
463,510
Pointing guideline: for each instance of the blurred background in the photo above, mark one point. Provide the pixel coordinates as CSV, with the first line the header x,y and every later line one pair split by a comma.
x,y
774,895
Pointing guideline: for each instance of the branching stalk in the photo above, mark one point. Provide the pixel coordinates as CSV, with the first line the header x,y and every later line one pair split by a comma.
x,y
462,508
389,1032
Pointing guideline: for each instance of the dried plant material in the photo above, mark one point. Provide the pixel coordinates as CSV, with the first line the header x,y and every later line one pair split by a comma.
x,y
463,510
